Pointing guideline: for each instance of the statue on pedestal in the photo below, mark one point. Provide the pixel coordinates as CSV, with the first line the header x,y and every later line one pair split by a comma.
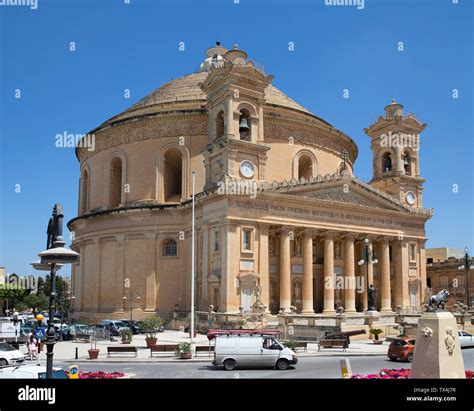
x,y
371,298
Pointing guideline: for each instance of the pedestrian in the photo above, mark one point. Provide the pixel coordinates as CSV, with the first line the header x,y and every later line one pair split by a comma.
x,y
33,347
27,342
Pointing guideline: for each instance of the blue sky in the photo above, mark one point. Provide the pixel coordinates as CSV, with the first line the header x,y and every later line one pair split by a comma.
x,y
136,46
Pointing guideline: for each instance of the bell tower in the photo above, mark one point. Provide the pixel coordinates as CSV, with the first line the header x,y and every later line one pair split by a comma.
x,y
395,147
235,91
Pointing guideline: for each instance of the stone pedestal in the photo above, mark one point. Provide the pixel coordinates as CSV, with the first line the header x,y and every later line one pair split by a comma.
x,y
437,349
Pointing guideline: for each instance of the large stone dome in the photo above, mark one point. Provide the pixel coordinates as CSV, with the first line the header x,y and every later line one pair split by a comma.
x,y
186,93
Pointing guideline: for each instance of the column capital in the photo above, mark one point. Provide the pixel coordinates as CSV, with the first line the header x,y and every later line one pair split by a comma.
x,y
285,229
383,240
329,235
264,226
309,232
349,236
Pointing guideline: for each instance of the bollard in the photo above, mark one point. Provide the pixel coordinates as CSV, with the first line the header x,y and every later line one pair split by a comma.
x,y
77,354
346,369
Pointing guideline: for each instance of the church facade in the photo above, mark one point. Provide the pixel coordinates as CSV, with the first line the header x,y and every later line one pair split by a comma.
x,y
280,217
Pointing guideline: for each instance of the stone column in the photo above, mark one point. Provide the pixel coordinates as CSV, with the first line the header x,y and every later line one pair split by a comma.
x,y
120,272
260,121
422,254
204,303
230,253
264,266
229,111
402,296
308,272
329,274
349,274
79,279
362,275
399,168
285,269
150,298
95,306
385,301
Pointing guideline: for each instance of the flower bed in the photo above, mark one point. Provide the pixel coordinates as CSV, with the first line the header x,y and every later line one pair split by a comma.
x,y
394,374
99,375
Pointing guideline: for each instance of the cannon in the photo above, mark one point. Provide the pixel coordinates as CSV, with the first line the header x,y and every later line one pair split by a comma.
x,y
346,335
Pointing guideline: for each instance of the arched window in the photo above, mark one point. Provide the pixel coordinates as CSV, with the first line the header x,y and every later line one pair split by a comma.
x,y
245,125
386,163
84,192
170,248
173,175
115,182
407,163
220,124
305,167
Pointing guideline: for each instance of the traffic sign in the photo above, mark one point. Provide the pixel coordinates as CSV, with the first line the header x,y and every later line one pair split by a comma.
x,y
73,372
40,332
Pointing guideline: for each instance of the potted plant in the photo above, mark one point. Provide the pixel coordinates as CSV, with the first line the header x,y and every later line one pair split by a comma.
x,y
150,327
126,335
184,351
375,332
93,351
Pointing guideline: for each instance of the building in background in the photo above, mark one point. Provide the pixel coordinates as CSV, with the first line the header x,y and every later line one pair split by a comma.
x,y
442,272
436,255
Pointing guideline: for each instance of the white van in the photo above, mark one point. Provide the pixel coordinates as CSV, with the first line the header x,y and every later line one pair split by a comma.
x,y
250,350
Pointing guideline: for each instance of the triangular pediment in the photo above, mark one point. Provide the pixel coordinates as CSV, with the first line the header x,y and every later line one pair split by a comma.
x,y
343,189
342,194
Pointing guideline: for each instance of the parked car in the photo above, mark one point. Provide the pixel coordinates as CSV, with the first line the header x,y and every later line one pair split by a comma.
x,y
133,325
465,339
79,331
250,350
10,355
114,326
401,349
33,371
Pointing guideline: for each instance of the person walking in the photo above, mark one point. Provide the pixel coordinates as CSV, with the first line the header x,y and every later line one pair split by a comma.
x,y
33,347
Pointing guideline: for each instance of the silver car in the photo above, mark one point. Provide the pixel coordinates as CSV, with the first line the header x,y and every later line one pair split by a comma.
x,y
465,339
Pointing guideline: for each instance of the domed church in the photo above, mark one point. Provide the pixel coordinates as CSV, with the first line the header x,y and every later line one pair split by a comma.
x,y
280,218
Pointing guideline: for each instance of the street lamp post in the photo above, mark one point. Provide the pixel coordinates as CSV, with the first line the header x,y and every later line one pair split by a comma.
x,y
467,266
132,296
368,258
54,255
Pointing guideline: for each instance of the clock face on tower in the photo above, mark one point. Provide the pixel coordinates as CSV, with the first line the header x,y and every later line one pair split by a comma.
x,y
247,169
410,197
